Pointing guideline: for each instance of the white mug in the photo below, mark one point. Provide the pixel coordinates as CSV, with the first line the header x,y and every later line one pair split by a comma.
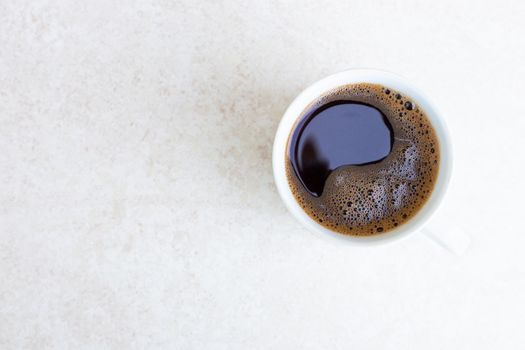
x,y
415,224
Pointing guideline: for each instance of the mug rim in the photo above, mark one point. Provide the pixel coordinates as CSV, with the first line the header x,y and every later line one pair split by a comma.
x,y
353,76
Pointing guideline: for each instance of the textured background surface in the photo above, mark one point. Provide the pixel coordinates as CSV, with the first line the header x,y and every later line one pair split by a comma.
x,y
137,208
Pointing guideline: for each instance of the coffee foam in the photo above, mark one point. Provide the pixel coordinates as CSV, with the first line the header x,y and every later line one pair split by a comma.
x,y
376,198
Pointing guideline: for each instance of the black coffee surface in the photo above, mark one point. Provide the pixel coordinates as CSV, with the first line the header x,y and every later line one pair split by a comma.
x,y
362,159
337,134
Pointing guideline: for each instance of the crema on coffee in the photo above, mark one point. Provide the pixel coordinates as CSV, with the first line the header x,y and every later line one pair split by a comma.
x,y
362,159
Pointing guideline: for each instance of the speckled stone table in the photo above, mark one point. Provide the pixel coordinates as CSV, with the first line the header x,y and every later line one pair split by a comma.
x,y
137,206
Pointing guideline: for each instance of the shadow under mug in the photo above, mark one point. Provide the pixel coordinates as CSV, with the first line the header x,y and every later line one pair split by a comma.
x,y
452,238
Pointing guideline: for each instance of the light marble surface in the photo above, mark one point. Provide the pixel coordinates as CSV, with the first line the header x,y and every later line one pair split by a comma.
x,y
138,209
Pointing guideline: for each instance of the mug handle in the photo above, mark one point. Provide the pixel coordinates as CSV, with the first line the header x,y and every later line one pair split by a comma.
x,y
444,232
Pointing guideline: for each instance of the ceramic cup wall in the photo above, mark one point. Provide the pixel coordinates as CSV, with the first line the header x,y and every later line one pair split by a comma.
x,y
322,86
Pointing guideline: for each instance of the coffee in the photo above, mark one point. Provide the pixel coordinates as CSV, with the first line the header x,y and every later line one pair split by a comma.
x,y
362,159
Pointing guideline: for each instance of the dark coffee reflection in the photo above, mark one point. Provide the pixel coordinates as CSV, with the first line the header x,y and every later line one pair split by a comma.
x,y
338,134
313,166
